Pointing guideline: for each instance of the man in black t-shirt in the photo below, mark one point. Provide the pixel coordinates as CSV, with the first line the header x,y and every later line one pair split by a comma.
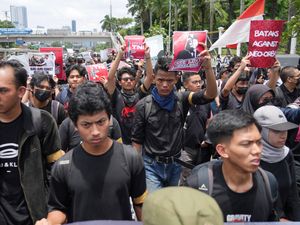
x,y
96,179
194,126
25,151
124,100
159,120
39,94
237,186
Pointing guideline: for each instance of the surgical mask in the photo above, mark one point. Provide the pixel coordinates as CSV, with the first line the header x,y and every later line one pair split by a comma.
x,y
42,95
242,90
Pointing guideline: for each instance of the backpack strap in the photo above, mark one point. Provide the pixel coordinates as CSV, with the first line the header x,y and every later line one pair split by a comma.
x,y
36,120
54,109
148,105
270,184
202,177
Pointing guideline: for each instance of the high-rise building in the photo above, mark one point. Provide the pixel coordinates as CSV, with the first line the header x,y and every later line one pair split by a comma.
x,y
73,25
18,16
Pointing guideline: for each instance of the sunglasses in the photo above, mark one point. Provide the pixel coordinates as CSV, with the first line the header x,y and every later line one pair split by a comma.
x,y
128,78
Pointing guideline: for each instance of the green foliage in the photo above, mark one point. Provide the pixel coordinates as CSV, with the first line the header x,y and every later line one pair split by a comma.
x,y
101,46
56,44
6,24
115,24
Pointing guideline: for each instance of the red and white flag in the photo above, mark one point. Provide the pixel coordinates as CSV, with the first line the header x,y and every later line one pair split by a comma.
x,y
238,32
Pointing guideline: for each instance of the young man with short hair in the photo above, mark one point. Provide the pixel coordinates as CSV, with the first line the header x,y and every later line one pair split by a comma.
x,y
95,180
124,101
236,184
39,95
29,144
159,120
76,75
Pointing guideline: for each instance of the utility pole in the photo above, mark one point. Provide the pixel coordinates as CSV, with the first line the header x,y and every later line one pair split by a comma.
x,y
211,14
110,15
190,3
170,18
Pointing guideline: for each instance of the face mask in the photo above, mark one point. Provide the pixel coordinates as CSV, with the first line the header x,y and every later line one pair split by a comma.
x,y
242,90
42,95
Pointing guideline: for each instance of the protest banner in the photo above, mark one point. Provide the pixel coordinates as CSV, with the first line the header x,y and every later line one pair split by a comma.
x,y
264,41
58,52
96,71
186,49
157,45
41,62
134,47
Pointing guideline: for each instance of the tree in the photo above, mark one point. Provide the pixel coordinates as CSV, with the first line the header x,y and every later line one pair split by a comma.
x,y
6,24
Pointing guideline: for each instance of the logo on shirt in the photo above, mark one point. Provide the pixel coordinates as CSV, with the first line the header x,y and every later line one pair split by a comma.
x,y
203,188
238,218
9,157
10,150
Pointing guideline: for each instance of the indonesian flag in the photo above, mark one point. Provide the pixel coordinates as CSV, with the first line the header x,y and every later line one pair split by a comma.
x,y
239,31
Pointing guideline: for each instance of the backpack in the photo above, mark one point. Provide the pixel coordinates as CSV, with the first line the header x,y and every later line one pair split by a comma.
x,y
54,109
36,117
203,177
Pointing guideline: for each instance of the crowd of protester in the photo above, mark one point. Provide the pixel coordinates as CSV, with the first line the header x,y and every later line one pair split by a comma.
x,y
97,150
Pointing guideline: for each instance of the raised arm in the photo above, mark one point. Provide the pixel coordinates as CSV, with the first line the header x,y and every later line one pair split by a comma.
x,y
111,80
274,75
211,89
232,80
149,69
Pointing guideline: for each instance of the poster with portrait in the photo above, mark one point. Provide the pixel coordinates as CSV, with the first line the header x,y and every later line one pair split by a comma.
x,y
134,46
186,49
41,62
96,71
264,39
58,52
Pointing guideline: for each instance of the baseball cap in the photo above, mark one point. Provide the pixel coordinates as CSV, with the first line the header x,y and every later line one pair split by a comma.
x,y
271,117
181,206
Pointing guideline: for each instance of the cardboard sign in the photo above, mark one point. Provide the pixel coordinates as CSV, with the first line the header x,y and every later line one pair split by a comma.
x,y
264,40
41,62
156,43
96,71
58,52
134,47
186,49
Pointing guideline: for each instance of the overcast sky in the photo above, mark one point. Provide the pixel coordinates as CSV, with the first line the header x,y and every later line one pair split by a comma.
x,y
58,13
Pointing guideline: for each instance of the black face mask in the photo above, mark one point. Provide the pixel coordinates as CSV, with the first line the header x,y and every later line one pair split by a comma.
x,y
242,90
42,95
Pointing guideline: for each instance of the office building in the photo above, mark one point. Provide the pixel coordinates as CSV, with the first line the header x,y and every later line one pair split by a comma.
x,y
18,16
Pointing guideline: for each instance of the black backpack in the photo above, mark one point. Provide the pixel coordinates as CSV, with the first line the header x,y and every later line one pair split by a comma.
x,y
202,178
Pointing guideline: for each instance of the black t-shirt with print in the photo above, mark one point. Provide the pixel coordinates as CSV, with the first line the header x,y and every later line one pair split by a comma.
x,y
89,187
250,206
123,110
13,208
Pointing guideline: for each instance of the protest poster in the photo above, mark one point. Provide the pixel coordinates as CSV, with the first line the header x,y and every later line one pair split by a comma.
x,y
96,71
157,45
58,52
134,46
186,49
264,40
41,62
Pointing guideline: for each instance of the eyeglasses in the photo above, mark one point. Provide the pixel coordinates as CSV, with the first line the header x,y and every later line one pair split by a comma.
x,y
197,82
128,78
43,87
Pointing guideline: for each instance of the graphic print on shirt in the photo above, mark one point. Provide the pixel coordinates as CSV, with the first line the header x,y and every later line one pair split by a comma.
x,y
8,158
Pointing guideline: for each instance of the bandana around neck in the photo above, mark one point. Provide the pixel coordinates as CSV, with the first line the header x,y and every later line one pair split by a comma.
x,y
165,102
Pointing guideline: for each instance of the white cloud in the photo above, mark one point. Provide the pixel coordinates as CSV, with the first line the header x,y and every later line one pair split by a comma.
x,y
58,13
